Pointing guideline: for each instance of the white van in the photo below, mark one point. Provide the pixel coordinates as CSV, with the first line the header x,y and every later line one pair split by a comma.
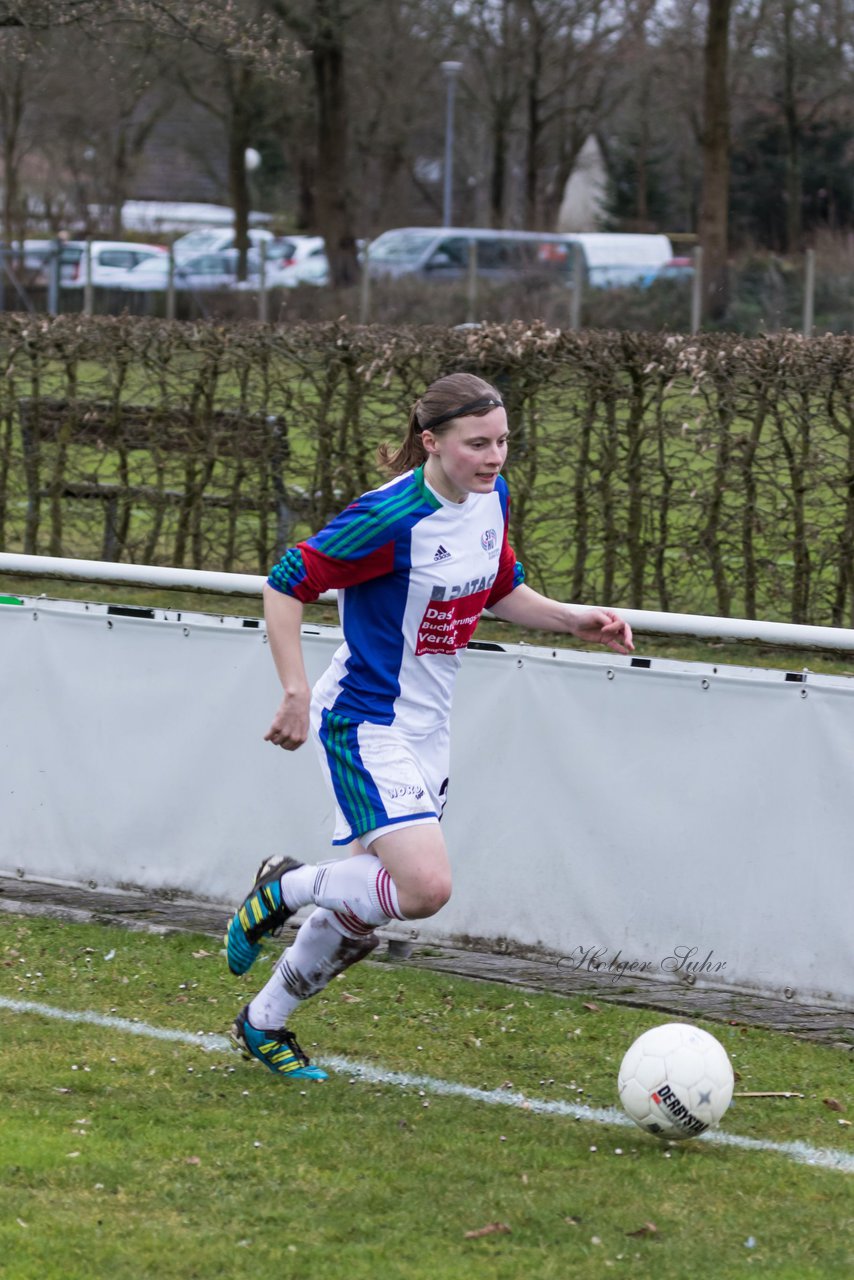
x,y
442,253
617,258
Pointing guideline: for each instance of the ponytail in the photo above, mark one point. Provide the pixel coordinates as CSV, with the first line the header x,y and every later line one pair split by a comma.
x,y
410,453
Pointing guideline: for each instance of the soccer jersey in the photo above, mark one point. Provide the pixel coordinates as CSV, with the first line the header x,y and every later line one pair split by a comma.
x,y
414,572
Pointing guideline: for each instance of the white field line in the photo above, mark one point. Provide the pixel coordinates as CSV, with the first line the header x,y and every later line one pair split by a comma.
x,y
800,1152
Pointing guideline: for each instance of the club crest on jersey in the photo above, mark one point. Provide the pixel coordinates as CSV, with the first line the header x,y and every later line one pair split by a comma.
x,y
489,540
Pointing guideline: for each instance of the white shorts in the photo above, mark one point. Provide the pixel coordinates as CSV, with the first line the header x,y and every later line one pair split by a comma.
x,y
380,776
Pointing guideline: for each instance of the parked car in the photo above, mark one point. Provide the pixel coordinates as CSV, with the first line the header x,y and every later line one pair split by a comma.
x,y
214,240
217,270
293,260
111,261
296,260
442,253
31,261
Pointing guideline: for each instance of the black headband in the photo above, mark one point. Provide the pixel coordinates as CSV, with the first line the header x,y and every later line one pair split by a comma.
x,y
485,402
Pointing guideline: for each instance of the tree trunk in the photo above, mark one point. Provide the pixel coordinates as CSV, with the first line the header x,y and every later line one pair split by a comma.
x,y
238,179
498,177
794,163
118,184
13,113
534,124
502,106
642,198
532,157
333,205
10,192
714,200
306,172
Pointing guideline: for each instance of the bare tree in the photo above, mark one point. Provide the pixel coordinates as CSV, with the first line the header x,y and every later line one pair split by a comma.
x,y
493,39
43,15
579,43
241,36
714,200
544,71
322,28
398,92
21,72
214,24
228,90
641,100
810,65
102,102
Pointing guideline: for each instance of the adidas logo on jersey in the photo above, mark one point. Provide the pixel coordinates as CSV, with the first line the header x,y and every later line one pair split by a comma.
x,y
442,554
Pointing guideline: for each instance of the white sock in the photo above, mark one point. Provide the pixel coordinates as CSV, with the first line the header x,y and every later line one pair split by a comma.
x,y
359,889
318,953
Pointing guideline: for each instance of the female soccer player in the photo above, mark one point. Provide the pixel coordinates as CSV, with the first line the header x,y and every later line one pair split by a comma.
x,y
415,562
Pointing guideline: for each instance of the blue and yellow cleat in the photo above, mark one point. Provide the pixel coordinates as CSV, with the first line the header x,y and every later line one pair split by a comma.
x,y
278,1050
262,912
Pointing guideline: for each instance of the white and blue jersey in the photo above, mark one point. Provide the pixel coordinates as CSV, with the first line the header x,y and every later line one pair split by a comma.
x,y
414,572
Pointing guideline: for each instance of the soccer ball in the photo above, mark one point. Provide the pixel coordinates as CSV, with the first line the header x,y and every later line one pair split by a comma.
x,y
676,1081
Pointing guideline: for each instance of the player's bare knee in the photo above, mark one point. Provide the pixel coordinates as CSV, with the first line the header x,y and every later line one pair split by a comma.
x,y
426,898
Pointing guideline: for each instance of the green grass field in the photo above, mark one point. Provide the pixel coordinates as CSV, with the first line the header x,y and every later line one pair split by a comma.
x,y
127,1155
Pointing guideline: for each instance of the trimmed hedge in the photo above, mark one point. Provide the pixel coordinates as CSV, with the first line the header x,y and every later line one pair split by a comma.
x,y
709,474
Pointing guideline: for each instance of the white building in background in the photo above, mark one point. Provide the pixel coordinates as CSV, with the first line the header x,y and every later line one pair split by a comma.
x,y
583,207
158,216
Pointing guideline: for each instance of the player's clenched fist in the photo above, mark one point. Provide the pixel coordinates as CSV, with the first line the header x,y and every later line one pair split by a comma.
x,y
290,723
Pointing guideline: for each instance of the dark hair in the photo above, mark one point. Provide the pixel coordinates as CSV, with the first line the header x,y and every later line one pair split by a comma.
x,y
454,396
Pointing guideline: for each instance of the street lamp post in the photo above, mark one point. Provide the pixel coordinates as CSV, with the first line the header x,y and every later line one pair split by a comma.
x,y
451,71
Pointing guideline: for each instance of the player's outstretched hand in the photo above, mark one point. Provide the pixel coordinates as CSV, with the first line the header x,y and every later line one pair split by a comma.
x,y
603,626
290,723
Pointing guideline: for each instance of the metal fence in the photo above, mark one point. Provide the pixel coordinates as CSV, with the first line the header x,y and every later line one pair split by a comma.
x,y
811,294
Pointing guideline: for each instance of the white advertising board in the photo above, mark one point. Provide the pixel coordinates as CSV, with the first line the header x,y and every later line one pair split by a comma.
x,y
664,819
